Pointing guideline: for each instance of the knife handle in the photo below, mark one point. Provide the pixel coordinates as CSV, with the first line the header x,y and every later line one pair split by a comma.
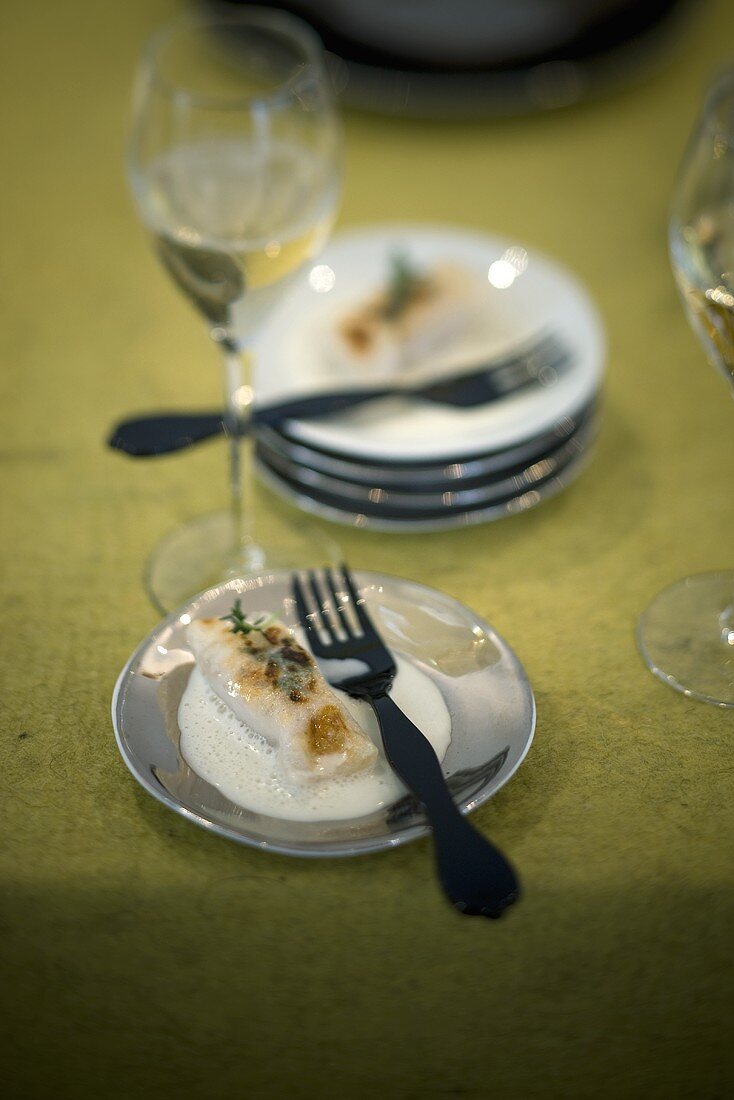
x,y
163,433
476,877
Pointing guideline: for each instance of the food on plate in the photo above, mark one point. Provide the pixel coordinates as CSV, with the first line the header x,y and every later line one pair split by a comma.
x,y
416,314
272,684
255,746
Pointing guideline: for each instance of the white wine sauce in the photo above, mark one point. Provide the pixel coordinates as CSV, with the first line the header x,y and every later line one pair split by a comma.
x,y
244,767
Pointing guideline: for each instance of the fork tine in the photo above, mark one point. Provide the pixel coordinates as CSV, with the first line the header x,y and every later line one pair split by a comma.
x,y
511,374
323,618
550,347
547,344
340,605
516,369
304,616
543,367
363,618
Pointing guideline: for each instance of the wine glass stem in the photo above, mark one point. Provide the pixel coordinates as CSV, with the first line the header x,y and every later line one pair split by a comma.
x,y
238,398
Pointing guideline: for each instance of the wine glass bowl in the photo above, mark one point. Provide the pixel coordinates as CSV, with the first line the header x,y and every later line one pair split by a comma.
x,y
702,227
686,634
234,159
234,165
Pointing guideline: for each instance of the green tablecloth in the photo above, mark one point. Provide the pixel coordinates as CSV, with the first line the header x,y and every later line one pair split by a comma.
x,y
142,957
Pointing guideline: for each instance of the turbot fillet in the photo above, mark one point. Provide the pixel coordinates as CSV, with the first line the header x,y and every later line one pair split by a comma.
x,y
413,318
271,683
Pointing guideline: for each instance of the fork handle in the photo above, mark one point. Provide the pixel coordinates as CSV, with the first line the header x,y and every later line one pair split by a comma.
x,y
475,876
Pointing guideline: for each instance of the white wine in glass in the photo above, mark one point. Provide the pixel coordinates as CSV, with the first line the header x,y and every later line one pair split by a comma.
x,y
686,635
234,164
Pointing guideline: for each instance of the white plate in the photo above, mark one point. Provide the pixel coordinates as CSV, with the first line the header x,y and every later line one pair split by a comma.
x,y
487,694
291,356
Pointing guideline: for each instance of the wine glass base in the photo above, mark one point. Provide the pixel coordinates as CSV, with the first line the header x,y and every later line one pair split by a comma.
x,y
206,550
686,637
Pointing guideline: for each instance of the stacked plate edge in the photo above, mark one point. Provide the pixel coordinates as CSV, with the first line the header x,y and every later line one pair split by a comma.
x,y
403,463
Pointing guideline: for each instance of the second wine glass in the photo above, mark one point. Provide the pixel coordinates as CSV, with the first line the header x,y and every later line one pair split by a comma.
x,y
234,163
686,635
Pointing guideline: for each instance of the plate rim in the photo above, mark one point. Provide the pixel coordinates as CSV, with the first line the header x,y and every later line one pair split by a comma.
x,y
343,849
481,492
492,460
452,521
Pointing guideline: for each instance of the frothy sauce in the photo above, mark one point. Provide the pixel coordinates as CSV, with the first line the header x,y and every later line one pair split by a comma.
x,y
244,766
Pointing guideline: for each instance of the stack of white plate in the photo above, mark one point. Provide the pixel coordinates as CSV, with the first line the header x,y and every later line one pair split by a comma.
x,y
402,463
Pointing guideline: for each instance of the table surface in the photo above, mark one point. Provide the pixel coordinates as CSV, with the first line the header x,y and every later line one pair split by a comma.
x,y
142,956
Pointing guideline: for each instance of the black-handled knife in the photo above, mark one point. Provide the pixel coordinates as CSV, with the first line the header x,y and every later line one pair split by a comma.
x,y
540,365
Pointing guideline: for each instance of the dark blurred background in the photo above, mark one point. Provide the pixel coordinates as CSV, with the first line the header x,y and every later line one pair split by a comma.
x,y
482,57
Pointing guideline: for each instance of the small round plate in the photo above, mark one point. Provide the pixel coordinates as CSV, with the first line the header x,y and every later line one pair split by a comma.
x,y
531,295
487,693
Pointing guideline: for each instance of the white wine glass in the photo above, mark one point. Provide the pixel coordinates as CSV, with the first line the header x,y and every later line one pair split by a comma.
x,y
686,635
234,163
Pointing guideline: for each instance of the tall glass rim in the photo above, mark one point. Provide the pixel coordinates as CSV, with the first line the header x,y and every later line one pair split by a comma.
x,y
287,25
707,127
721,87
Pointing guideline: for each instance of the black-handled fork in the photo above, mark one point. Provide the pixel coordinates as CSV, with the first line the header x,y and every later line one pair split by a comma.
x,y
475,876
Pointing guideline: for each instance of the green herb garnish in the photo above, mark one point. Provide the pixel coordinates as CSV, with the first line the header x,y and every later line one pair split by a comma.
x,y
240,624
404,281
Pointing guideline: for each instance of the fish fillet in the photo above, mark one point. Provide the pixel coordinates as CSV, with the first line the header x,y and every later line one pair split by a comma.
x,y
441,308
272,684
